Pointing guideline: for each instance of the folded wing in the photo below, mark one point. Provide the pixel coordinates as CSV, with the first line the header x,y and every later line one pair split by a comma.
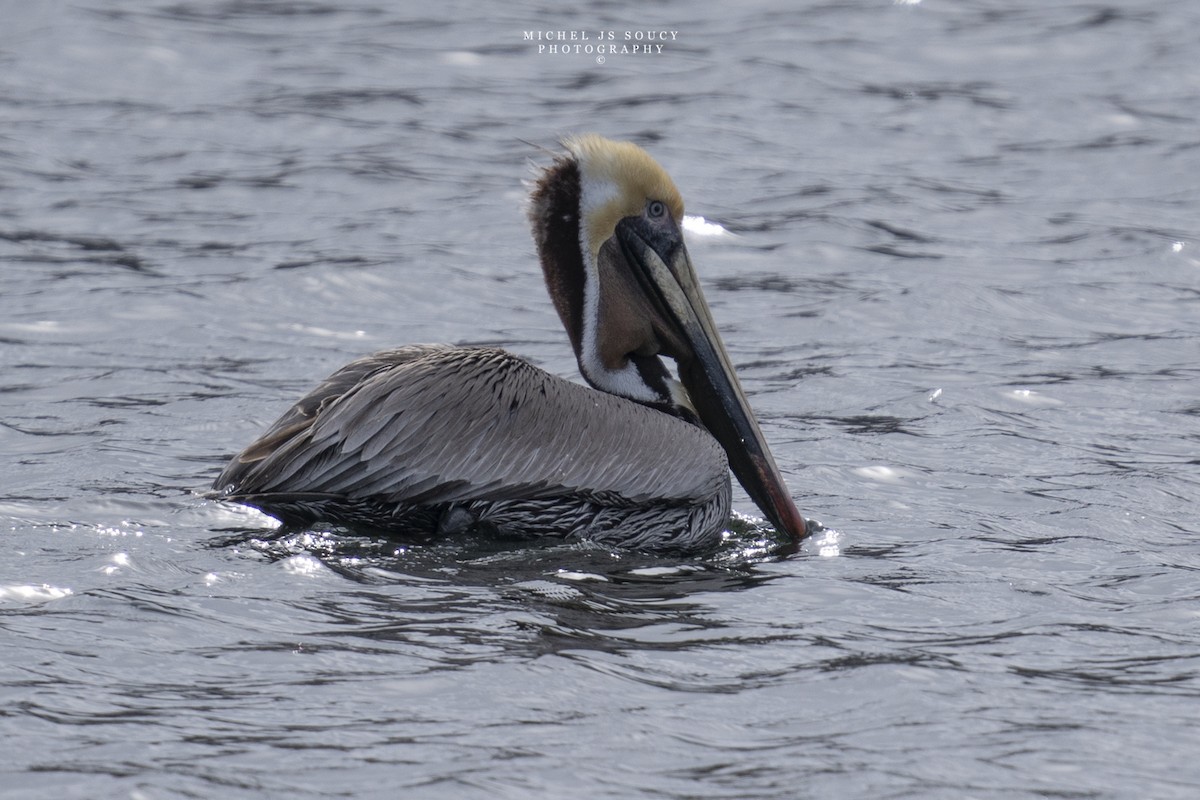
x,y
431,424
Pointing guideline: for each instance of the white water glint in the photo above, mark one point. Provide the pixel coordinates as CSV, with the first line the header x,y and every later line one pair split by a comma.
x,y
33,593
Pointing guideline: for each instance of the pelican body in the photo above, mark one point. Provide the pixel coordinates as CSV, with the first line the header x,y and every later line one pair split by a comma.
x,y
434,439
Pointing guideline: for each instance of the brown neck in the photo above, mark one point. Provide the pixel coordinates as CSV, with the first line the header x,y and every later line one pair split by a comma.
x,y
554,216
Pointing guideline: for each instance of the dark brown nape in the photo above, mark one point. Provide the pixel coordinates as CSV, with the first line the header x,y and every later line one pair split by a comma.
x,y
554,216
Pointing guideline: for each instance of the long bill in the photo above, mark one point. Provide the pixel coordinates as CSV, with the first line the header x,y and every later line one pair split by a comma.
x,y
689,335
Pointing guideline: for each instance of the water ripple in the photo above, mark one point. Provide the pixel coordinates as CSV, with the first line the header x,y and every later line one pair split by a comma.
x,y
961,295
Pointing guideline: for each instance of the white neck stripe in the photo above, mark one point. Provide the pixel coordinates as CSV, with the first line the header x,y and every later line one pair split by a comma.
x,y
625,381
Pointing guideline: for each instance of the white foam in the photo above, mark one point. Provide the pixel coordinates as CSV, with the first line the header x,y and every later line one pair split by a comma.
x,y
699,226
304,565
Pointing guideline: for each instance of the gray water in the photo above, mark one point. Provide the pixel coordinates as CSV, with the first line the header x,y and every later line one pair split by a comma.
x,y
960,279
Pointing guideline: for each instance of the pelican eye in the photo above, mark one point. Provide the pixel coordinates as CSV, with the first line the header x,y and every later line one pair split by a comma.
x,y
656,208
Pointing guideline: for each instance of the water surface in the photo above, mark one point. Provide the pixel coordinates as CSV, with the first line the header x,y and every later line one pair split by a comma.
x,y
961,284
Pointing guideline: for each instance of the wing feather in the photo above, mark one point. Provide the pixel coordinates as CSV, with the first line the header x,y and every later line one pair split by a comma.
x,y
432,424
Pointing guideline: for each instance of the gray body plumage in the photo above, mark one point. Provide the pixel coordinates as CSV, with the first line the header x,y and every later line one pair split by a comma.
x,y
435,439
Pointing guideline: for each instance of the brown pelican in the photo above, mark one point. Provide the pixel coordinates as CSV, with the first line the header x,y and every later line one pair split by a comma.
x,y
433,439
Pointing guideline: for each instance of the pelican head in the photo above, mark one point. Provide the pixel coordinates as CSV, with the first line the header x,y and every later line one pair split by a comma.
x,y
607,222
